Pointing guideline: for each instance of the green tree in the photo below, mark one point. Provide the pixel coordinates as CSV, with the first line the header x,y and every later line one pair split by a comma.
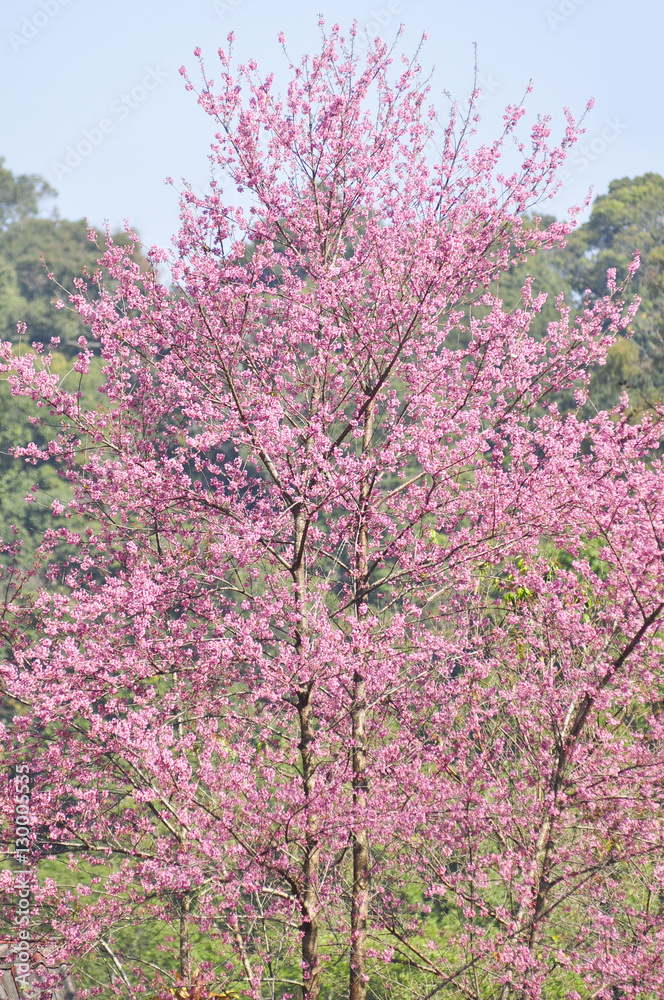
x,y
20,195
31,249
629,217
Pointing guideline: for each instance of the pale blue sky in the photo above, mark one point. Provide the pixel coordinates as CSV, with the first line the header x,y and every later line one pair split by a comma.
x,y
67,66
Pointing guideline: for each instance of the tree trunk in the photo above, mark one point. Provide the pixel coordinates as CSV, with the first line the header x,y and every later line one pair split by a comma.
x,y
185,899
360,894
310,861
309,900
185,941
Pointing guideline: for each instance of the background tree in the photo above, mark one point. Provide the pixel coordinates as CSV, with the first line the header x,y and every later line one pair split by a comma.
x,y
626,219
31,249
630,216
20,196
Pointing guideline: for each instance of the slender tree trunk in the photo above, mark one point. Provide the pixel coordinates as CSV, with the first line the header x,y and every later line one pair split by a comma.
x,y
360,839
185,899
310,861
360,894
185,940
309,900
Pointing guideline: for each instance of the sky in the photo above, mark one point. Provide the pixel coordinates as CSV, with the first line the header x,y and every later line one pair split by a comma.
x,y
93,101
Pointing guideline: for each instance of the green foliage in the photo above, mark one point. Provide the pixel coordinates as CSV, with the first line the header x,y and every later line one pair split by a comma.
x,y
31,249
21,422
629,217
20,196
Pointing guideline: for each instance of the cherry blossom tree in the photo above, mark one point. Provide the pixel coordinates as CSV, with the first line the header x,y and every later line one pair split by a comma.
x,y
353,680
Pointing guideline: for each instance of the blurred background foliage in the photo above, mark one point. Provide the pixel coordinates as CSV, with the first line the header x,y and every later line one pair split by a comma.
x,y
32,248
